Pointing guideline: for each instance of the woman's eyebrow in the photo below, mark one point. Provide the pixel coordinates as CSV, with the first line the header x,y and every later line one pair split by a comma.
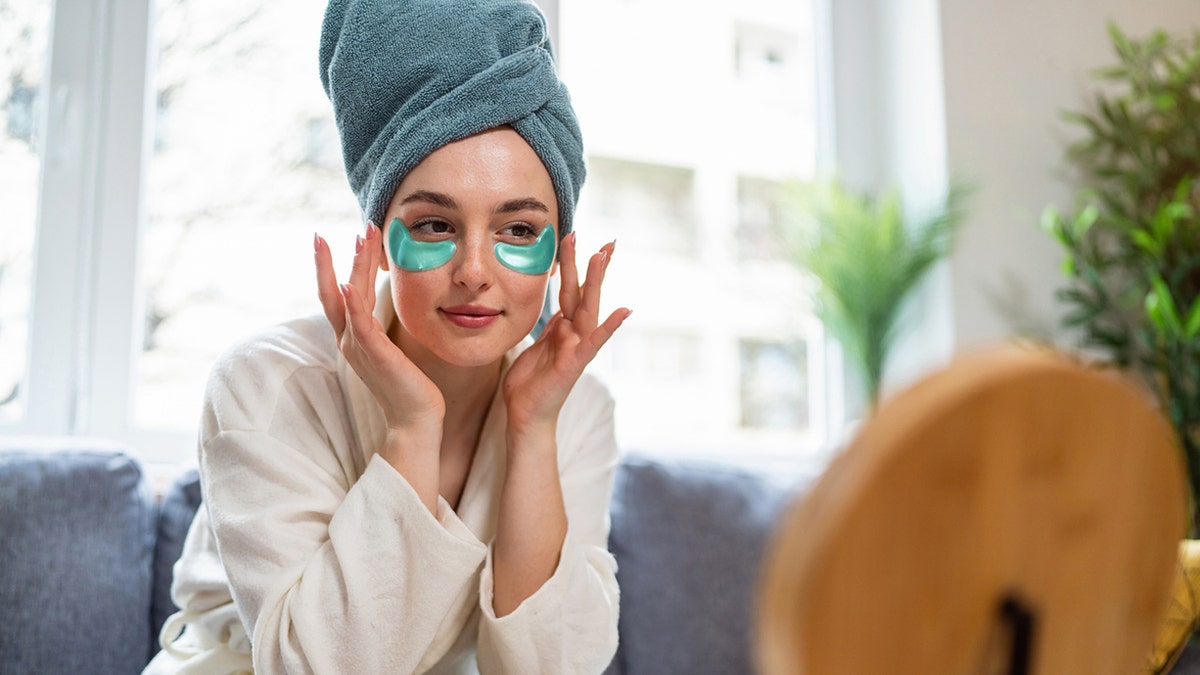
x,y
435,198
523,204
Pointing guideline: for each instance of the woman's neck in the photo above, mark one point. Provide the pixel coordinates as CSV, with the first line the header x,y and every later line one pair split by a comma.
x,y
466,390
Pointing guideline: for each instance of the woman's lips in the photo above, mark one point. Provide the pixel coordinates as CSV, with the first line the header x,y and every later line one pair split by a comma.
x,y
470,316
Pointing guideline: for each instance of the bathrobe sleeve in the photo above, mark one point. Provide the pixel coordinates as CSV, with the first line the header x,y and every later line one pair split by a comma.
x,y
569,625
329,574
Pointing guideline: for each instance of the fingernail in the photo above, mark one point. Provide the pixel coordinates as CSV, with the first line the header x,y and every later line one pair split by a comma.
x,y
572,238
370,225
358,244
345,288
316,242
604,257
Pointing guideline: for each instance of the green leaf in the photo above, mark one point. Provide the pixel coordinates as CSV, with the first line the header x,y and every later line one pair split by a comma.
x,y
1068,266
1122,44
1086,219
1145,242
1192,327
1160,306
1164,102
1112,73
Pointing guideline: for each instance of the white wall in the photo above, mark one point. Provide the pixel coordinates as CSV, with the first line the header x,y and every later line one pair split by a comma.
x,y
1009,69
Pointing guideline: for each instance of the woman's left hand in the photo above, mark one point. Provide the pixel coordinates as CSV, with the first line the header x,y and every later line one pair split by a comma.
x,y
539,380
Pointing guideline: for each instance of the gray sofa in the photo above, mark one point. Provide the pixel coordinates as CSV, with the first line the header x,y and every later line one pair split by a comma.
x,y
86,556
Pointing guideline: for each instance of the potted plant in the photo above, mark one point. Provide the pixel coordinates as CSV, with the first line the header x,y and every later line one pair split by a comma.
x,y
1132,244
866,258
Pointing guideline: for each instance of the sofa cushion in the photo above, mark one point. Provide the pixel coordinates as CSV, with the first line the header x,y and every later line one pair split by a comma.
x,y
76,539
175,515
689,538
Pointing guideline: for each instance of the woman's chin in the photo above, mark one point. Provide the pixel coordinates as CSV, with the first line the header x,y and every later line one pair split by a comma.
x,y
471,356
464,361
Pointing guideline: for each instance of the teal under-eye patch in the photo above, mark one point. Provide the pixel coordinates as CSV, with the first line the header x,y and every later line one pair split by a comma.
x,y
535,258
416,256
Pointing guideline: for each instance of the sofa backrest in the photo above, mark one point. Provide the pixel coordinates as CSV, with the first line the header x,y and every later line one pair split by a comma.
x,y
689,538
76,541
175,513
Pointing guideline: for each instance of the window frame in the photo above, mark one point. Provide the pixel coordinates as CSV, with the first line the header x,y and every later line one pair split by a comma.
x,y
87,304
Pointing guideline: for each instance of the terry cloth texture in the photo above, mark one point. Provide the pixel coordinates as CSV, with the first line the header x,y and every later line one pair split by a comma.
x,y
406,78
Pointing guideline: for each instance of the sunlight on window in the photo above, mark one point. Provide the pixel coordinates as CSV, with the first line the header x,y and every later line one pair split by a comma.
x,y
692,120
246,167
24,25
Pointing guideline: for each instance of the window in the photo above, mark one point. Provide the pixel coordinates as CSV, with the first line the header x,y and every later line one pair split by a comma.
x,y
774,378
649,206
690,135
759,220
191,210
234,191
24,26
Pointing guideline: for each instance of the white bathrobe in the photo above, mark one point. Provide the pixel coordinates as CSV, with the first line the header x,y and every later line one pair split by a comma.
x,y
311,554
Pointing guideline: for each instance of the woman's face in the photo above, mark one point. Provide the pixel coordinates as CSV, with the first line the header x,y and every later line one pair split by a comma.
x,y
478,191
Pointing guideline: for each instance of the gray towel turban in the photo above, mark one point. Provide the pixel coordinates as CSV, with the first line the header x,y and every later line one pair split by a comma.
x,y
407,77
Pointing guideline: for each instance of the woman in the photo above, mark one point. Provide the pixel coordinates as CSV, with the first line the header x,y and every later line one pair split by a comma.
x,y
422,488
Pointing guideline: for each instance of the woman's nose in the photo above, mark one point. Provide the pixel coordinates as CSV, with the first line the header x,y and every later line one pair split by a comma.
x,y
473,265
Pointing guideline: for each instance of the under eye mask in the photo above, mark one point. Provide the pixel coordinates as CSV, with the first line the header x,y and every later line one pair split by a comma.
x,y
416,256
419,256
535,258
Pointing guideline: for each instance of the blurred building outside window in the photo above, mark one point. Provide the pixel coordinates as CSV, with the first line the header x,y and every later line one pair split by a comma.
x,y
691,126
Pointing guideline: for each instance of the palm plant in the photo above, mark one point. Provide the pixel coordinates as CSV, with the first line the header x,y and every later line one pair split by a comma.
x,y
1132,244
867,260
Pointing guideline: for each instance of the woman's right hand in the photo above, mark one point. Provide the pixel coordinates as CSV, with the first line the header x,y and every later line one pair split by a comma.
x,y
412,404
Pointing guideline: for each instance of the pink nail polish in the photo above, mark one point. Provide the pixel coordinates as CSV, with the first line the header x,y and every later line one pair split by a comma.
x,y
316,242
358,244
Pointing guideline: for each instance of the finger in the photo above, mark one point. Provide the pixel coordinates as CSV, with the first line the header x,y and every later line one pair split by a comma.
x,y
360,270
327,288
588,312
375,246
568,291
605,330
550,326
356,340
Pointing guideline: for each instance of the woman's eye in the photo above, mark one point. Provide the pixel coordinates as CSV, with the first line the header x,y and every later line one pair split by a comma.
x,y
520,231
431,228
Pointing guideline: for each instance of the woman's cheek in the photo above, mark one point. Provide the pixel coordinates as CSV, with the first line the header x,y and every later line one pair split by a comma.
x,y
414,295
531,297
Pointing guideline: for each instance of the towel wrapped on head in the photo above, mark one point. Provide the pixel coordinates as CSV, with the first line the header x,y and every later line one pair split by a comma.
x,y
408,77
